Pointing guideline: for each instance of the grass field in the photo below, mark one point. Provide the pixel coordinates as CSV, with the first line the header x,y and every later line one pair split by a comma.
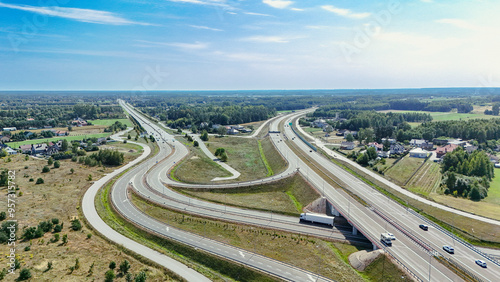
x,y
205,168
243,155
269,197
108,122
403,170
16,145
426,180
453,115
59,197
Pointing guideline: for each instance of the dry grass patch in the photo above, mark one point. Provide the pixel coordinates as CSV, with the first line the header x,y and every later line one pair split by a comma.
x,y
403,170
59,197
198,168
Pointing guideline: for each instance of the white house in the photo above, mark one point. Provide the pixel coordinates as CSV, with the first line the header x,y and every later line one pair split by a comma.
x,y
347,145
397,149
419,153
9,129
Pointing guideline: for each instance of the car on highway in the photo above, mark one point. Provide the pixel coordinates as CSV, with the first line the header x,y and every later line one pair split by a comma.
x,y
424,227
481,263
449,249
391,236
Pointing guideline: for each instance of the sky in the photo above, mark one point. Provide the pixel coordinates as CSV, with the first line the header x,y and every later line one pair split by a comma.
x,y
141,45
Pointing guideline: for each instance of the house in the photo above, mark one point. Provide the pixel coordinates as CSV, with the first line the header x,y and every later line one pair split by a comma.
x,y
417,142
377,146
347,145
246,130
39,149
232,131
458,142
383,154
216,126
353,133
497,165
52,149
9,129
60,133
493,158
390,140
4,139
419,153
319,123
27,134
25,149
341,132
79,122
441,151
10,151
440,141
396,149
470,148
237,127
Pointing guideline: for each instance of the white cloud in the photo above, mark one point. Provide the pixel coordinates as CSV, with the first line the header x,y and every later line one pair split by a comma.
x,y
205,27
185,46
77,14
256,14
266,39
345,12
459,23
218,3
278,4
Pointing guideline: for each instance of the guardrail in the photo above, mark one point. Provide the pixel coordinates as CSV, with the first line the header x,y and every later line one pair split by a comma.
x,y
303,139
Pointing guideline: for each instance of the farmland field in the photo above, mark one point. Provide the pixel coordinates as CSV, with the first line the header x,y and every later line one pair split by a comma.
x,y
403,170
426,180
108,122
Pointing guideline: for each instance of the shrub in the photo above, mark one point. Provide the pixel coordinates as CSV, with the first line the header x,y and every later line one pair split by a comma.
x,y
45,169
57,228
57,164
55,221
76,225
31,180
112,265
39,181
25,274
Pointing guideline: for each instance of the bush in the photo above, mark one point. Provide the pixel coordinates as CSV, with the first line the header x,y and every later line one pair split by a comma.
x,y
110,275
196,144
45,169
50,161
57,164
76,225
31,180
3,215
39,181
112,265
57,228
25,274
55,221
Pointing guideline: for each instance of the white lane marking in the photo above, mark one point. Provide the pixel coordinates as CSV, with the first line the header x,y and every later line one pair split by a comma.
x,y
124,200
242,254
167,229
310,277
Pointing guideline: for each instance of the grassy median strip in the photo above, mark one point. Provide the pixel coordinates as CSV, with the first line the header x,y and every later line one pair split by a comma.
x,y
271,197
263,157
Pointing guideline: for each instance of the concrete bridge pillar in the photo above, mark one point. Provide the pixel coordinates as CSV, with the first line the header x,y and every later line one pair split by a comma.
x,y
354,230
375,247
332,209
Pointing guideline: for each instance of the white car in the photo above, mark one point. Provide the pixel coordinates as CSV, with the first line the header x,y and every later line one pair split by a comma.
x,y
449,249
391,236
481,263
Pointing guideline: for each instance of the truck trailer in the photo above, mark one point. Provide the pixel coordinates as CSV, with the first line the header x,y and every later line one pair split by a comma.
x,y
317,218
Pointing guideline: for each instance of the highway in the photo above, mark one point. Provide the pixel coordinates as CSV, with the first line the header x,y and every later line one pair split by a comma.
x,y
371,223
120,199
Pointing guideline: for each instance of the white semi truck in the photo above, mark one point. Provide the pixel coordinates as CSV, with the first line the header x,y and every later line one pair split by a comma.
x,y
386,238
317,218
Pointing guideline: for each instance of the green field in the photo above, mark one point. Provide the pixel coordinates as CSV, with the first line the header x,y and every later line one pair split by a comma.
x,y
403,170
16,145
441,116
426,180
108,122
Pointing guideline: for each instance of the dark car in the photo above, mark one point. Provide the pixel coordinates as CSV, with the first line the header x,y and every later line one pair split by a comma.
x,y
424,227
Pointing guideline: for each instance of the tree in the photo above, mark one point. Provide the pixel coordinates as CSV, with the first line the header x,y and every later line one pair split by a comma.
x,y
65,239
204,136
129,137
89,178
76,225
349,137
112,265
64,145
57,164
221,130
70,128
109,276
3,215
124,267
25,274
450,182
223,157
195,143
45,169
219,152
72,170
140,277
50,161
495,109
3,153
39,181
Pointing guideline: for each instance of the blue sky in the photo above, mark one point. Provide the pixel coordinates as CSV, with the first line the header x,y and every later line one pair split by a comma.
x,y
141,45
